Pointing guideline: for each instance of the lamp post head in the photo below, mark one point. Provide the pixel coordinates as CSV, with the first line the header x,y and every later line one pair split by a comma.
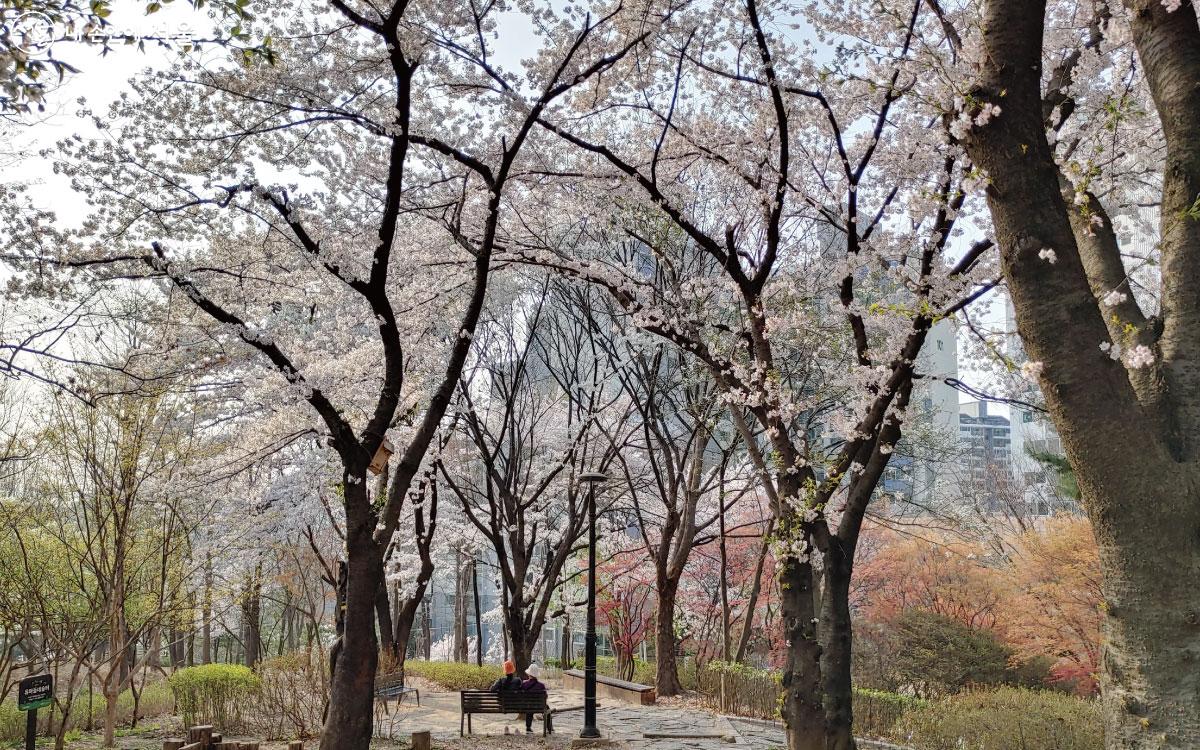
x,y
593,478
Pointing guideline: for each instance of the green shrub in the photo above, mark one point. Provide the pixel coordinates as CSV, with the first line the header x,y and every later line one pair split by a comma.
x,y
739,689
936,655
877,711
12,721
644,672
214,694
1003,719
453,675
156,701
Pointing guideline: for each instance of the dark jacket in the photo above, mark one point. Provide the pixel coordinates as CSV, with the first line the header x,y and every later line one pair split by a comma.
x,y
507,682
532,685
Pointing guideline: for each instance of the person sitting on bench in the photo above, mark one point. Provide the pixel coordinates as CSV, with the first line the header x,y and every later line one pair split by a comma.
x,y
509,681
531,684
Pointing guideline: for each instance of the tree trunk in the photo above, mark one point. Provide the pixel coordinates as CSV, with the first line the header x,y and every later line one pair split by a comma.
x,y
348,722
1129,434
520,642
752,600
726,626
252,620
564,653
666,671
836,652
803,713
154,649
1150,685
460,608
427,631
383,620
206,614
478,614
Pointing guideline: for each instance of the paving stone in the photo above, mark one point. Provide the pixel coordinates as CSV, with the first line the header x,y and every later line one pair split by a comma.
x,y
439,714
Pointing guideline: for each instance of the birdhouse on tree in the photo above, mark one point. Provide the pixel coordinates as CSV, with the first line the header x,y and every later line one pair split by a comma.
x,y
382,454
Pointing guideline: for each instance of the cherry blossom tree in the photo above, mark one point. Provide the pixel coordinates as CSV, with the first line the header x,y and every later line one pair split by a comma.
x,y
529,412
326,278
1093,122
677,489
803,210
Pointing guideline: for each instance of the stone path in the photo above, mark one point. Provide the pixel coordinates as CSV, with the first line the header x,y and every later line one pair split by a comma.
x,y
639,727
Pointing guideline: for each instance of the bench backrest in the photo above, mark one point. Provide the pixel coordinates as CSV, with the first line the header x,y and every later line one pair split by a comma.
x,y
392,680
508,701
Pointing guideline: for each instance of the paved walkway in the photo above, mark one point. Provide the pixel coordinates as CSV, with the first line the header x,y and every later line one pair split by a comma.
x,y
638,727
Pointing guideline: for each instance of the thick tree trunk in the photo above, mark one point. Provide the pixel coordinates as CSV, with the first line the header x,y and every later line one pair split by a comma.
x,y
803,712
836,655
1150,683
252,621
1128,443
348,723
666,668
520,644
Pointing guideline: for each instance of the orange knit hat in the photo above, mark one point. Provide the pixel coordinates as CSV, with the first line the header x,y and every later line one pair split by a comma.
x,y
509,667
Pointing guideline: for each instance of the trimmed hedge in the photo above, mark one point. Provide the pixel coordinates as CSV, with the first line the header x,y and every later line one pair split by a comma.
x,y
214,694
756,693
453,675
1006,718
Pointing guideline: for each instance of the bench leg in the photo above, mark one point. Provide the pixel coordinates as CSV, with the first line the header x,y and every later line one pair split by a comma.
x,y
470,729
460,724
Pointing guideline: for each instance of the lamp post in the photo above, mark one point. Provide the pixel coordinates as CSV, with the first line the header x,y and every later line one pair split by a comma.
x,y
590,731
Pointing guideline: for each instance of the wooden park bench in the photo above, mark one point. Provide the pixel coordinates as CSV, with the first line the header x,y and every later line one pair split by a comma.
x,y
504,702
622,690
391,687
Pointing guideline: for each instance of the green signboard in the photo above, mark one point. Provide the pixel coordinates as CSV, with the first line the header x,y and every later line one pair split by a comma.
x,y
35,692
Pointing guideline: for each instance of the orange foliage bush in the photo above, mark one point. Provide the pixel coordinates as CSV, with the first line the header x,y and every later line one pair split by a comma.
x,y
1038,590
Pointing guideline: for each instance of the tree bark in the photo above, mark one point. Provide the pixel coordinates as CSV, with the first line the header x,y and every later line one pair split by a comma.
x,y
383,620
836,653
427,631
666,671
752,600
803,712
252,620
348,721
460,607
206,613
564,653
1133,450
726,626
478,613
